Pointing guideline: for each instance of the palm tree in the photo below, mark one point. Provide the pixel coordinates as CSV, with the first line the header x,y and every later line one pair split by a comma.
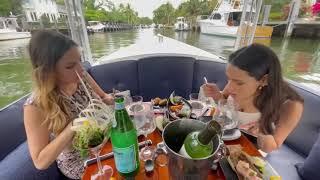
x,y
165,14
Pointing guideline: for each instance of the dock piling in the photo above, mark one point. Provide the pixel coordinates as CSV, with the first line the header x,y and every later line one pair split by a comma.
x,y
293,15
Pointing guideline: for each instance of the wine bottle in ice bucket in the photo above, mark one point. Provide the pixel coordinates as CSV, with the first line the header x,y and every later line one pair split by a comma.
x,y
124,141
198,144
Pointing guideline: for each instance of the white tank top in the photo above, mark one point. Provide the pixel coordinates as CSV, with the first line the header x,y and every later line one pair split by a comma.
x,y
246,118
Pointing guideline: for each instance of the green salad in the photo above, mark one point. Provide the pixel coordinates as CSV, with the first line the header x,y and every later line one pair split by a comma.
x,y
90,135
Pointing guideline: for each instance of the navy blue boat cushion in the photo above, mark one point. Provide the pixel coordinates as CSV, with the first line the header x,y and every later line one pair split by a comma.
x,y
120,75
12,132
18,165
213,71
306,133
159,76
283,161
309,169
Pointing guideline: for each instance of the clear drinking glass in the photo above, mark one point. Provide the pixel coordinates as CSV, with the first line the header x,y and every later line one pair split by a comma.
x,y
145,124
105,171
227,115
136,104
196,104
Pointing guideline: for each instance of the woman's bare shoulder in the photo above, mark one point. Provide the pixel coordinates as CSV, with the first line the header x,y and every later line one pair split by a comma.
x,y
291,109
32,112
292,105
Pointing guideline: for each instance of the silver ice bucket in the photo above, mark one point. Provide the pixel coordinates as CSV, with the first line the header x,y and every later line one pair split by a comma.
x,y
180,167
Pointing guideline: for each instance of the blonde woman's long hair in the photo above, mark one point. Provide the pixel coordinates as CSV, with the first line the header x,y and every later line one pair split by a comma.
x,y
46,48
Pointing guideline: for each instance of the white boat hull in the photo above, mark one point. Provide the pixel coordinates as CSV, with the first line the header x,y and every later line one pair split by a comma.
x,y
216,29
14,35
181,27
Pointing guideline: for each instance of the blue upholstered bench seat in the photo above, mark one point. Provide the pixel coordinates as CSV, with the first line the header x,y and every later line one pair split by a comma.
x,y
18,165
283,161
152,77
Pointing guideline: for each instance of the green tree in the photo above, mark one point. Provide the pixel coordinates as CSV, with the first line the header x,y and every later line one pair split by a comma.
x,y
97,15
95,10
98,4
165,14
60,2
45,21
117,16
211,4
182,10
128,12
125,14
7,6
144,20
193,8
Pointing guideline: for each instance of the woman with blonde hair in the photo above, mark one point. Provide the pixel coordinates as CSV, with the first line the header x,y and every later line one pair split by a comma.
x,y
56,100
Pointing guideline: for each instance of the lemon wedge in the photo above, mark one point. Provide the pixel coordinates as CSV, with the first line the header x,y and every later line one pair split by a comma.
x,y
86,123
79,122
275,177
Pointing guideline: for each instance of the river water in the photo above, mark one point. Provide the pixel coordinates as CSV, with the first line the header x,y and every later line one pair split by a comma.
x,y
300,58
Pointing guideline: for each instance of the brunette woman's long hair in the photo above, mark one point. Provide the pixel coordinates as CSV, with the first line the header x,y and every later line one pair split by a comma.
x,y
46,48
258,60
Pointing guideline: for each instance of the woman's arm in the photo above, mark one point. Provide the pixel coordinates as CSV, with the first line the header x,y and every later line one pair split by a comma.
x,y
107,98
291,112
42,151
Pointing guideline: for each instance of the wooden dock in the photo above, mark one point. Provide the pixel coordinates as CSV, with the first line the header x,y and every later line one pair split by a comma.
x,y
304,28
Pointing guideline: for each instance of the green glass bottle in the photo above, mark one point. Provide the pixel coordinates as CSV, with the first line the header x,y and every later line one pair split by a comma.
x,y
124,141
198,144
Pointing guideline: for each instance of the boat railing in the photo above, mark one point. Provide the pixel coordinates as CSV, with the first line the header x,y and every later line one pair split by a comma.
x,y
201,17
217,5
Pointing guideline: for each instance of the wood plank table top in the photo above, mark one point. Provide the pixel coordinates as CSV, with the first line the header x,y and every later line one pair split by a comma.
x,y
162,172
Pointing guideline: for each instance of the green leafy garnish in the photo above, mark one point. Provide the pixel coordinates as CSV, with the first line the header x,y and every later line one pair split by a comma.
x,y
89,136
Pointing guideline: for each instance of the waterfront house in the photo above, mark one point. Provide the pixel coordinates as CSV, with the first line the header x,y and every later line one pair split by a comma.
x,y
34,9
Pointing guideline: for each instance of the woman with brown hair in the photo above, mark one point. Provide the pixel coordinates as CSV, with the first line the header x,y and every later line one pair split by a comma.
x,y
56,100
268,106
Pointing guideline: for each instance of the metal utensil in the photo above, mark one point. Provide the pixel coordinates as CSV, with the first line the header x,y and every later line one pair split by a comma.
x,y
205,80
110,154
204,112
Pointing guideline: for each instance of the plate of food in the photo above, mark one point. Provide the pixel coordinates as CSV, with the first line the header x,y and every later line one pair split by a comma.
x,y
161,121
178,107
249,167
231,134
159,105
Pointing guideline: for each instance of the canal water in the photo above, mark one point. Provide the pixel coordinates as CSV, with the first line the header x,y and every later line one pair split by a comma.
x,y
300,58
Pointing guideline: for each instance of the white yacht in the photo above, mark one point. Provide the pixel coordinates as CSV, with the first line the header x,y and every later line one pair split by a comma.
x,y
96,26
181,24
8,29
225,19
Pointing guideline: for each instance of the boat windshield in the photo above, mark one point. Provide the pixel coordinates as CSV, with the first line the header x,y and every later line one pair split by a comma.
x,y
93,23
234,18
215,16
180,19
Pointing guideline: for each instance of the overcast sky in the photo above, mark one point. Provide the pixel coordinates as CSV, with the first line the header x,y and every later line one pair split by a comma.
x,y
146,7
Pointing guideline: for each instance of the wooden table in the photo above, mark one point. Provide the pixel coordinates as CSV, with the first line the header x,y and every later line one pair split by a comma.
x,y
162,172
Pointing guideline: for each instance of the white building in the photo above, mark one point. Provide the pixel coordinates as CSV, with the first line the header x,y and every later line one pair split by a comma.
x,y
34,9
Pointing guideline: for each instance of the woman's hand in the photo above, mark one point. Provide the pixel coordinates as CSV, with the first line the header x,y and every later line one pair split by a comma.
x,y
266,142
108,99
212,90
